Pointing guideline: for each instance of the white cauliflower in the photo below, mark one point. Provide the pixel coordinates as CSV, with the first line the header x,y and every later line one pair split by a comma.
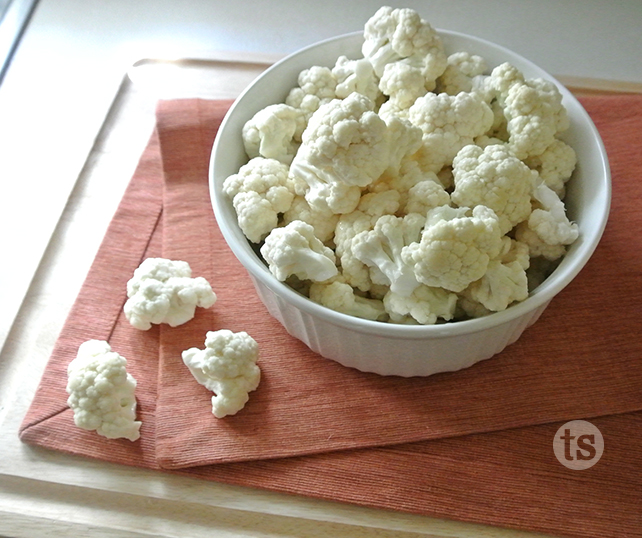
x,y
340,296
356,76
505,280
425,305
316,87
555,166
344,147
380,249
415,187
228,367
495,178
260,191
403,83
324,221
426,195
462,74
370,208
448,123
295,250
532,108
538,248
163,291
270,133
401,35
101,392
455,247
549,220
401,181
404,141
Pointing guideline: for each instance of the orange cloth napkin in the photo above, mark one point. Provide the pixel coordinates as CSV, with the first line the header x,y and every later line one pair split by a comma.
x,y
314,426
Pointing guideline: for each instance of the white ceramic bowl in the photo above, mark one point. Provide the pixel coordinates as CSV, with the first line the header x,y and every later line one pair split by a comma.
x,y
402,350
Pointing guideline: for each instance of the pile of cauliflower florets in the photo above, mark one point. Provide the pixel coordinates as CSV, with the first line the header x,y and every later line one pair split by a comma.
x,y
408,185
161,291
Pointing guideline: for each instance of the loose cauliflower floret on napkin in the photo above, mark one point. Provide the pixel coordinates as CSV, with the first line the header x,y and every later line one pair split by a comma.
x,y
228,367
101,392
163,291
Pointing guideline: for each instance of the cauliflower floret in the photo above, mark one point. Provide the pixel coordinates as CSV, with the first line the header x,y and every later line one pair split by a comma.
x,y
460,73
295,250
260,191
537,247
426,195
380,249
533,110
404,83
455,248
549,221
425,305
345,147
163,291
340,296
408,175
505,280
370,208
393,35
271,131
101,392
404,140
316,87
449,123
228,367
515,251
555,166
323,221
391,109
495,178
502,78
356,76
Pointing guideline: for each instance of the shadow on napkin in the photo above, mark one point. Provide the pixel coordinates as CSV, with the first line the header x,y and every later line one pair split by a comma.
x,y
578,361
